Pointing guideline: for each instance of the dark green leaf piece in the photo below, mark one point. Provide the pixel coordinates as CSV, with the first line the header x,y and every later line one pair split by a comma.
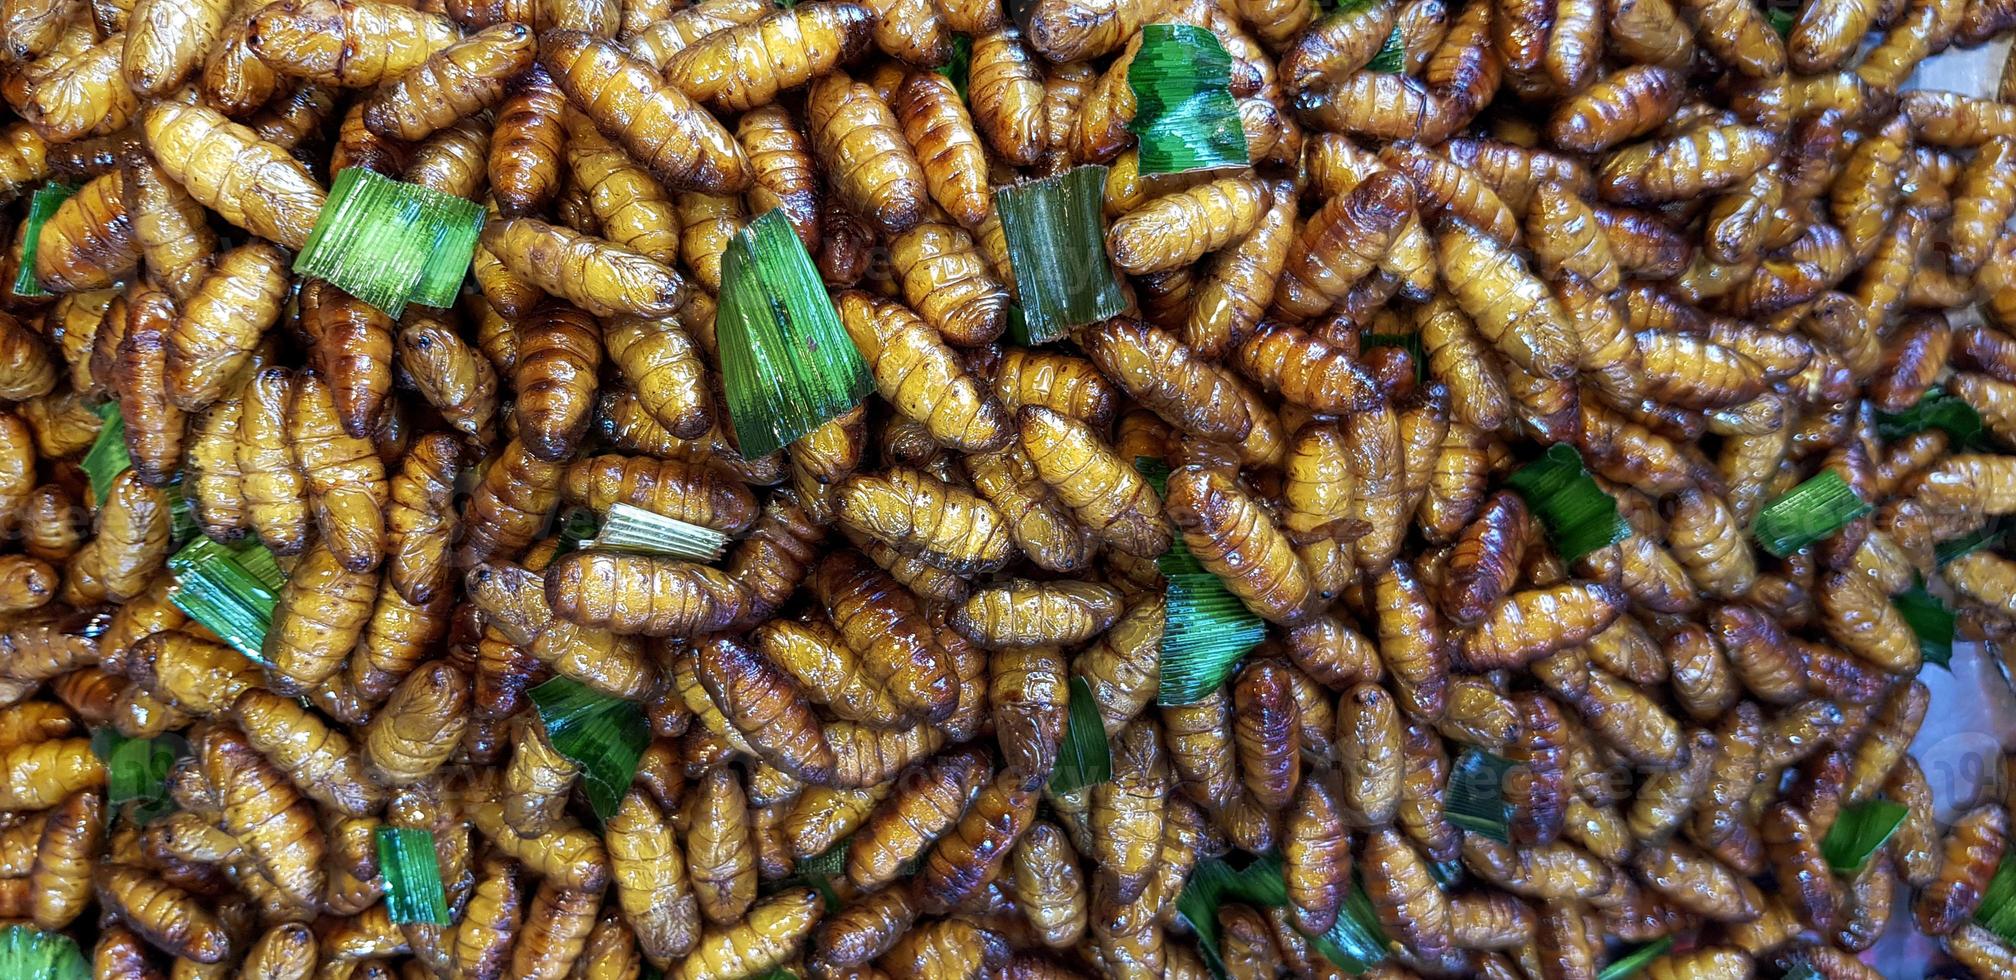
x,y
1578,515
1085,758
1997,911
1186,117
230,589
961,65
1989,536
412,871
137,769
1475,800
47,199
1206,629
1392,56
1858,831
1056,232
604,736
107,457
577,524
1812,511
787,365
28,953
1930,620
1936,409
1356,942
1780,20
389,243
1630,963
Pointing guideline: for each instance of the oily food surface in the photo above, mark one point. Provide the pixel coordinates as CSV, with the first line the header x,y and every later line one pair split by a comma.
x,y
1491,541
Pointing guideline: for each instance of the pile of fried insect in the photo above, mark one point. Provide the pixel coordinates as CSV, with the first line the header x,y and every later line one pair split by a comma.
x,y
1470,494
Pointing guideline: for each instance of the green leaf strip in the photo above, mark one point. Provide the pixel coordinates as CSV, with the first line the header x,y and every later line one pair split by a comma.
x,y
604,736
1056,233
1085,758
1858,831
389,243
1812,511
230,589
41,207
1578,515
412,872
1186,117
787,365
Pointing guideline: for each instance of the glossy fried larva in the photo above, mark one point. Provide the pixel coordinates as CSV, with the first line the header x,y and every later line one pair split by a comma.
x,y
593,274
1167,377
319,760
344,476
694,492
860,145
1566,238
1240,284
1020,613
350,43
1408,901
664,369
649,872
1005,90
222,321
678,141
1046,881
1306,370
1617,107
128,545
1510,307
769,934
923,517
527,148
924,806
920,376
166,916
1066,32
275,492
1974,845
1177,229
948,148
764,704
172,230
1704,536
60,879
248,181
317,619
781,159
630,206
457,81
1341,243
88,243
1128,812
1533,623
882,623
948,283
80,96
418,727
166,41
1230,533
277,827
1702,159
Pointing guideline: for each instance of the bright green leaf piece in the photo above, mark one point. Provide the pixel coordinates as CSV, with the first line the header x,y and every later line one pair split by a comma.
x,y
1392,56
1812,511
1206,629
1475,797
107,457
639,531
1630,963
1858,831
1085,759
388,242
1997,911
1186,118
604,736
1056,232
787,365
961,65
1356,942
28,953
1578,515
1936,409
1931,621
412,872
47,199
137,768
230,589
